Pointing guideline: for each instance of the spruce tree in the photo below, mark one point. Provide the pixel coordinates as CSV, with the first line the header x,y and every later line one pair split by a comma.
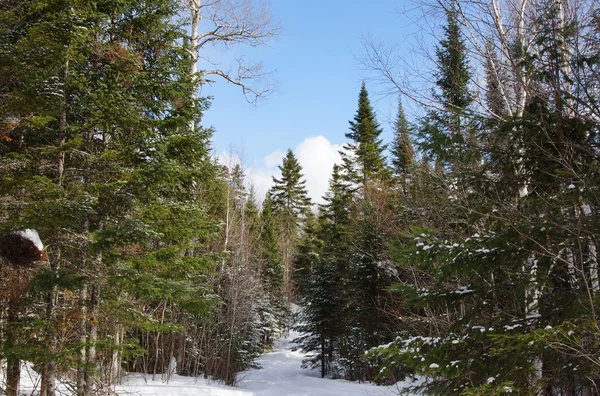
x,y
290,204
273,267
99,154
403,153
325,317
453,76
493,80
448,135
363,157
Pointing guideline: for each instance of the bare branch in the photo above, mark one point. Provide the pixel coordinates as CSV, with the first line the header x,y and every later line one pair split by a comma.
x,y
242,78
228,23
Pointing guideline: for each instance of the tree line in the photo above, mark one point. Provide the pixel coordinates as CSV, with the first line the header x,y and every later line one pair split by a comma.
x,y
157,258
468,256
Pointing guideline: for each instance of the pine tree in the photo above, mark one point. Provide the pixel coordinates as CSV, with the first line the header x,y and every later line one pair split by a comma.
x,y
98,154
324,319
448,134
290,204
363,157
402,150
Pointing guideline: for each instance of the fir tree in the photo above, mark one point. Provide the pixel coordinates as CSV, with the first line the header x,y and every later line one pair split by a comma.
x,y
449,137
402,150
363,157
290,204
101,156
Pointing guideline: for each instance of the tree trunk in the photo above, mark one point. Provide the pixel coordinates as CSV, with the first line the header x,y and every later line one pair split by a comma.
x,y
90,370
195,6
323,371
532,311
48,383
115,362
82,340
13,369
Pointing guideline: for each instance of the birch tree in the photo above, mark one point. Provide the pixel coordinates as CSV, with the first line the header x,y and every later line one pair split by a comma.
x,y
223,24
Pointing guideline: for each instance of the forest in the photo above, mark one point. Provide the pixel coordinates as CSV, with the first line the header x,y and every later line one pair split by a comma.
x,y
462,252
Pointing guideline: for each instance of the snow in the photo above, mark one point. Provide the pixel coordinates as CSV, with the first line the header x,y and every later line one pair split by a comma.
x,y
33,236
281,374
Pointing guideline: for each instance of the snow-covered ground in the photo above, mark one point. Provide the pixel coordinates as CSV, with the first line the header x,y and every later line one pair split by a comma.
x,y
281,375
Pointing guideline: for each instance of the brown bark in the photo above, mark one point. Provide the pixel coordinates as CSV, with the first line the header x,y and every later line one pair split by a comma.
x,y
90,370
82,340
48,383
13,369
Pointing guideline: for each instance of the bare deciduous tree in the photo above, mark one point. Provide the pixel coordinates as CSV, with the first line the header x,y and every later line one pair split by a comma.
x,y
227,23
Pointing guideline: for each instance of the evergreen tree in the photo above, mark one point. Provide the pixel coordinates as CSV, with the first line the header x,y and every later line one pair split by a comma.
x,y
290,205
289,193
506,299
402,150
363,157
273,270
304,258
448,134
324,318
98,155
493,97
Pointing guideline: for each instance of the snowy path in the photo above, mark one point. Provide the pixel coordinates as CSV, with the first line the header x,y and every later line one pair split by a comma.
x,y
281,375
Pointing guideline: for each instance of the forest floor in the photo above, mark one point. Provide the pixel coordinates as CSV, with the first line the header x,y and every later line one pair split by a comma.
x,y
281,375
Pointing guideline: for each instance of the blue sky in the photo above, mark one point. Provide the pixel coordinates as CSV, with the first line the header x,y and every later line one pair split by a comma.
x,y
314,62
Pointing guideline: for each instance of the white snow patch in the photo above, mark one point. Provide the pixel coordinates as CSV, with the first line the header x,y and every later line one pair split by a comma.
x,y
33,236
281,374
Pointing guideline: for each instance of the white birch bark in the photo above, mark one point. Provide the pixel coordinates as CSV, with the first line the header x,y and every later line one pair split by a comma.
x,y
592,255
231,22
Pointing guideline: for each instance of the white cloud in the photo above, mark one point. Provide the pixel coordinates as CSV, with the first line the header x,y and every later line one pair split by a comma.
x,y
229,159
316,155
274,159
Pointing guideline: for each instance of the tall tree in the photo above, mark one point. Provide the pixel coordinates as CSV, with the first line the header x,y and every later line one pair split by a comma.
x,y
290,206
363,158
402,150
97,155
325,295
447,130
273,267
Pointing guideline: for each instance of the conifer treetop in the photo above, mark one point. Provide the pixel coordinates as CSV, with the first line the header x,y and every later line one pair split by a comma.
x,y
366,147
402,150
289,192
